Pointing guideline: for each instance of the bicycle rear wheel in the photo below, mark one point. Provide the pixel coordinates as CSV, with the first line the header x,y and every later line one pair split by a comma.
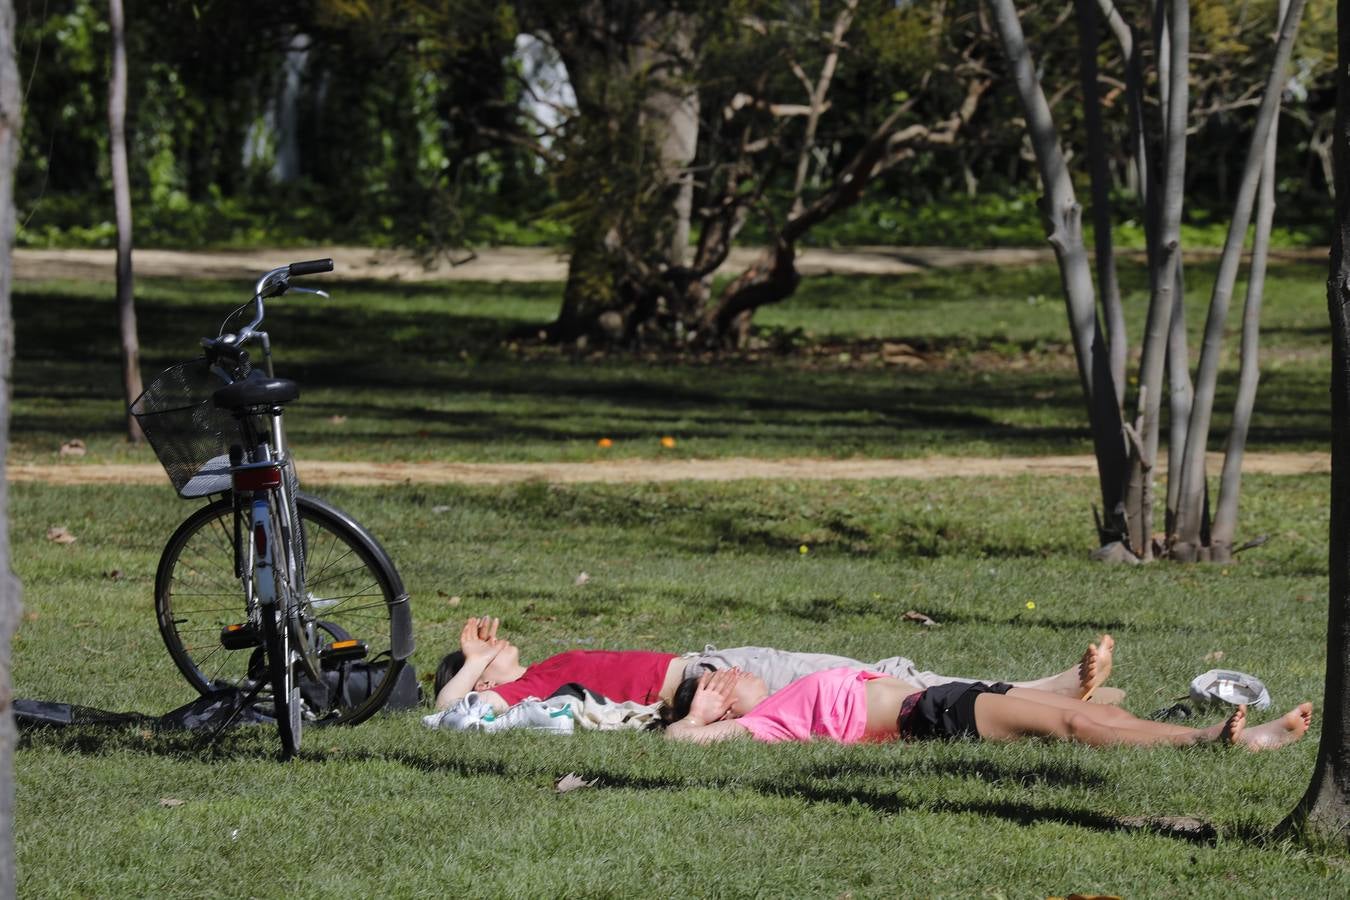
x,y
351,589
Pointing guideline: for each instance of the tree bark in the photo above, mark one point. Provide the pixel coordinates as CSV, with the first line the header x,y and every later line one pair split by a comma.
x,y
1107,283
1144,450
117,143
1324,811
1249,369
1065,233
1187,541
10,119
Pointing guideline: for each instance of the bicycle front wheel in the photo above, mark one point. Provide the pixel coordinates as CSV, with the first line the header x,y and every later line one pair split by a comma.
x,y
351,590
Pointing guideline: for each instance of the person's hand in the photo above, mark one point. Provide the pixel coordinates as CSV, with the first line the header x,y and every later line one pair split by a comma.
x,y
712,700
478,639
487,627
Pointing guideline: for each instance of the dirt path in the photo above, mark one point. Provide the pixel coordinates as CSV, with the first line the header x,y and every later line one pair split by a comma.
x,y
488,264
628,471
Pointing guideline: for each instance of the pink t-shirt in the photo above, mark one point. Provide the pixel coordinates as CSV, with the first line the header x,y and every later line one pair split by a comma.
x,y
830,704
619,675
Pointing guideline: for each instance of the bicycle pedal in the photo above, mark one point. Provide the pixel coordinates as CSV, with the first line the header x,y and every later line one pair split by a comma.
x,y
239,637
339,652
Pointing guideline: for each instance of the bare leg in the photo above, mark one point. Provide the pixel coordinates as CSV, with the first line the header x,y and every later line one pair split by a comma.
x,y
1084,680
1004,717
1106,715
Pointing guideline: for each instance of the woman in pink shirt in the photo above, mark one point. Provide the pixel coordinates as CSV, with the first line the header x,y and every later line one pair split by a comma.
x,y
854,705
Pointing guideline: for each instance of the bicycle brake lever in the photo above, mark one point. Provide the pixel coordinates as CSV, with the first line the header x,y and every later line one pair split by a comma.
x,y
305,290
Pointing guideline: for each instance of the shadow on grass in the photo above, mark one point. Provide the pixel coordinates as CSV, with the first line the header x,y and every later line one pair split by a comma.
x,y
259,744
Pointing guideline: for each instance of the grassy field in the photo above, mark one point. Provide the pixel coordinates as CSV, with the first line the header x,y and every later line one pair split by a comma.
x,y
389,807
415,372
426,372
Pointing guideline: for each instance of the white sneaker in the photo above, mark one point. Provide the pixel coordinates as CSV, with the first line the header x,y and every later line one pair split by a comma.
x,y
469,714
536,715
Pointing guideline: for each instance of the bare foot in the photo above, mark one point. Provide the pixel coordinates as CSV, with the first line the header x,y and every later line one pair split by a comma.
x,y
1095,666
1285,730
1230,732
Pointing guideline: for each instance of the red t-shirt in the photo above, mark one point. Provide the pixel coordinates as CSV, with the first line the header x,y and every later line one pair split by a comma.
x,y
617,674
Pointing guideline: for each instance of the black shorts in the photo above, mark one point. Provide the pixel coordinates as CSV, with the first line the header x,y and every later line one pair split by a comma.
x,y
945,711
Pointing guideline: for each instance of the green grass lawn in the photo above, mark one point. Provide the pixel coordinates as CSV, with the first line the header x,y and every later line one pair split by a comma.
x,y
390,808
426,372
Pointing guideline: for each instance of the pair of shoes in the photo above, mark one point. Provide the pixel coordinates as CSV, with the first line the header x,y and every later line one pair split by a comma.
x,y
472,714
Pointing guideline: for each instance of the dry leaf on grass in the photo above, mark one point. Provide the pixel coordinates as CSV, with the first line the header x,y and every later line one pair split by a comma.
x,y
582,579
73,447
58,534
113,574
916,616
171,801
573,782
1214,656
337,420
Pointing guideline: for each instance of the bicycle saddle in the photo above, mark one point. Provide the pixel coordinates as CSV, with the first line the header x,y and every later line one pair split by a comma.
x,y
256,390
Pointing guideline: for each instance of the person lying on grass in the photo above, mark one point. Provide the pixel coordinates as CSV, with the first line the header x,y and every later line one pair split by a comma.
x,y
853,705
491,666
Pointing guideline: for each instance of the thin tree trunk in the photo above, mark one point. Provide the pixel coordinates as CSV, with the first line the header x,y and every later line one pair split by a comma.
x,y
1176,91
1180,395
10,119
1107,283
1065,233
1185,544
1324,811
117,142
1249,369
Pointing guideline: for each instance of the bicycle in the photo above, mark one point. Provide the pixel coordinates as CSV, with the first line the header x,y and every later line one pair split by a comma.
x,y
326,624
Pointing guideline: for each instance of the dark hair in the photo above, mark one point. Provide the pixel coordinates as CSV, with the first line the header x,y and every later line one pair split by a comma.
x,y
450,666
678,707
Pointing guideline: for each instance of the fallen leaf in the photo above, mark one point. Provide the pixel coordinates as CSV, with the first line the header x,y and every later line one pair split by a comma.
x,y
914,615
30,616
337,420
113,574
171,801
1214,656
73,447
440,509
572,782
582,579
59,535
605,443
668,442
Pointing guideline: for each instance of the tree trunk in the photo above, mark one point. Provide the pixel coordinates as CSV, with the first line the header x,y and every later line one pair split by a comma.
x,y
1324,811
1187,541
1249,369
639,112
117,142
10,118
1107,283
1144,450
1065,233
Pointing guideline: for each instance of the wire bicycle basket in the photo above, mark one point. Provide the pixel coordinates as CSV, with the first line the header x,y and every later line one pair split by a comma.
x,y
190,437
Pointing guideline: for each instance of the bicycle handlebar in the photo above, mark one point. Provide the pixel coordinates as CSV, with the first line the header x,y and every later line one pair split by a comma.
x,y
310,267
272,284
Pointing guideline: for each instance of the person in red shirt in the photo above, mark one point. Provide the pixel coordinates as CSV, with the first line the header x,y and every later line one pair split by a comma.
x,y
491,666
